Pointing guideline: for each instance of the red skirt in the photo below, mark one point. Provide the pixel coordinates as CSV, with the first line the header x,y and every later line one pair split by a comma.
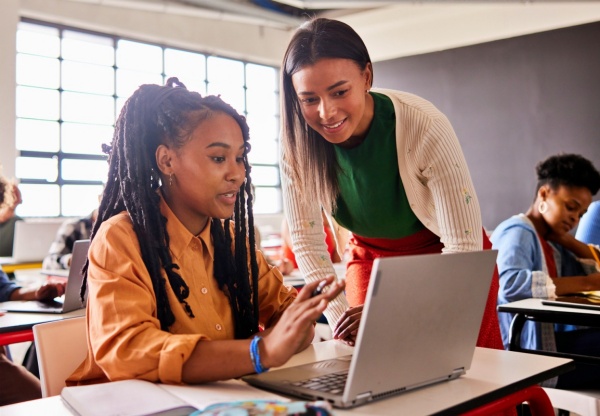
x,y
363,251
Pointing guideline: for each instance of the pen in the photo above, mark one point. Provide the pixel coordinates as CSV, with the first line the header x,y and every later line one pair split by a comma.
x,y
319,289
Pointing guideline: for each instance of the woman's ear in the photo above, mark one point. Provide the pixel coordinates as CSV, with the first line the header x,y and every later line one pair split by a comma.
x,y
164,155
543,192
368,73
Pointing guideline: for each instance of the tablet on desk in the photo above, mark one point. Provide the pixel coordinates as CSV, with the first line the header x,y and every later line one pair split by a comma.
x,y
572,302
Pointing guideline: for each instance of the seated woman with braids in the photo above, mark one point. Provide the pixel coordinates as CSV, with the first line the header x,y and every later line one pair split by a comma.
x,y
175,293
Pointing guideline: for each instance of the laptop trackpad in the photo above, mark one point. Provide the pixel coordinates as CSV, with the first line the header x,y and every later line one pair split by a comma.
x,y
306,371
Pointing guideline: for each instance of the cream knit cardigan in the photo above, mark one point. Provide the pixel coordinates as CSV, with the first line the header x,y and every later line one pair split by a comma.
x,y
436,180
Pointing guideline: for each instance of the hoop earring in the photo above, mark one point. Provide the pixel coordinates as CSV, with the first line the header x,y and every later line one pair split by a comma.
x,y
170,179
543,207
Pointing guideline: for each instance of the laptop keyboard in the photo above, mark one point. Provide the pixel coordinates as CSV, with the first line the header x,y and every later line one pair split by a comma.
x,y
328,383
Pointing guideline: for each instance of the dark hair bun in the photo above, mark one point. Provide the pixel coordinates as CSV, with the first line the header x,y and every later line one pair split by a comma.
x,y
568,170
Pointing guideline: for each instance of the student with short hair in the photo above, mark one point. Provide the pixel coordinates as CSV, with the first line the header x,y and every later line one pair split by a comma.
x,y
8,216
16,383
539,258
178,292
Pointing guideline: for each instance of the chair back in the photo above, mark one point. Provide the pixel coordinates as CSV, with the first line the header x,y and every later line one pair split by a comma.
x,y
61,346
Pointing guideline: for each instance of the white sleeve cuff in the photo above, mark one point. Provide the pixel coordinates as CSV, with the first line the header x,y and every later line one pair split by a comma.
x,y
542,286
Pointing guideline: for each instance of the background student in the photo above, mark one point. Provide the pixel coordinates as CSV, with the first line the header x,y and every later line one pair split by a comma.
x,y
8,217
538,257
588,230
385,164
177,291
61,250
16,383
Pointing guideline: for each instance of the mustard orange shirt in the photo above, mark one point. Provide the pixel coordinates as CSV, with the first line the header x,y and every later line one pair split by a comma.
x,y
125,340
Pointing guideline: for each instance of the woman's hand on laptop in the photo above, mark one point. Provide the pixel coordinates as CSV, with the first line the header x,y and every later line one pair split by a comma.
x,y
346,327
295,330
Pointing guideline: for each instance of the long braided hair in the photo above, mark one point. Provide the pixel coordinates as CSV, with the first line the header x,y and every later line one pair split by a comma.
x,y
168,114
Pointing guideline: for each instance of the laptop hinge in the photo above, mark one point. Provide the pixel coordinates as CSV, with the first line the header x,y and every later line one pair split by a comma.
x,y
457,372
363,398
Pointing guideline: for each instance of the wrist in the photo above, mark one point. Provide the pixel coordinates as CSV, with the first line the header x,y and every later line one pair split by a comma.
x,y
255,355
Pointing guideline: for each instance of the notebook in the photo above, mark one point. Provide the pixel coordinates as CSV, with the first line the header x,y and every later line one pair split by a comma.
x,y
32,241
72,300
420,324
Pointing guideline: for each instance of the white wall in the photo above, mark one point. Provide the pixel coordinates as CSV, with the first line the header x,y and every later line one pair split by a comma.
x,y
8,27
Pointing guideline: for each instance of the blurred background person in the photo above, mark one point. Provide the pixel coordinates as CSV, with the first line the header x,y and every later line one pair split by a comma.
x,y
71,230
8,218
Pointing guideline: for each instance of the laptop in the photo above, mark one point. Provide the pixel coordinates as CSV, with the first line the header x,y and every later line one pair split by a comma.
x,y
31,241
71,300
420,324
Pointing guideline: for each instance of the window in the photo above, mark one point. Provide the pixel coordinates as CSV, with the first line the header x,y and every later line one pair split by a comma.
x,y
71,85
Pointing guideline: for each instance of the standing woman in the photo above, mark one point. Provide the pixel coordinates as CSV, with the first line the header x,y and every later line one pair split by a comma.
x,y
386,165
177,291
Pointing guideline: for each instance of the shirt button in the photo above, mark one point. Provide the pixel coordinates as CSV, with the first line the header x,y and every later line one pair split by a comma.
x,y
204,291
219,327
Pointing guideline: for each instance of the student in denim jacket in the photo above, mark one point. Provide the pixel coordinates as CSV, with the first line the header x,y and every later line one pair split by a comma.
x,y
539,258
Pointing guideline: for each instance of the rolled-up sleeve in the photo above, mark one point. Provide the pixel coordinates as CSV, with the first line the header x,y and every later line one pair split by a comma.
x,y
521,273
125,335
274,296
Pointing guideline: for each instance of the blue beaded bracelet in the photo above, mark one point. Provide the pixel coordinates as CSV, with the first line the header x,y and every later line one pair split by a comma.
x,y
255,355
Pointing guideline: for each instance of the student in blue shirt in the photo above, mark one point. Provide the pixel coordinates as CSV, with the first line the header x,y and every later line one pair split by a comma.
x,y
16,383
589,226
538,257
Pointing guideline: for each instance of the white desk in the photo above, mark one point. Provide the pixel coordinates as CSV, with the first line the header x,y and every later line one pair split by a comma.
x,y
493,374
534,310
17,327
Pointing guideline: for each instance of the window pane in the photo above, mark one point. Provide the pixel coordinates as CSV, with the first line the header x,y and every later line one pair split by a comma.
x,y
129,81
261,83
84,47
263,139
84,170
28,71
85,138
39,200
37,168
265,175
80,200
38,40
139,56
226,77
261,101
189,67
267,201
83,77
38,135
87,108
37,103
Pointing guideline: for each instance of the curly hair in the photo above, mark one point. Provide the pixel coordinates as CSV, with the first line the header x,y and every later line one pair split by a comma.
x,y
569,170
168,114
